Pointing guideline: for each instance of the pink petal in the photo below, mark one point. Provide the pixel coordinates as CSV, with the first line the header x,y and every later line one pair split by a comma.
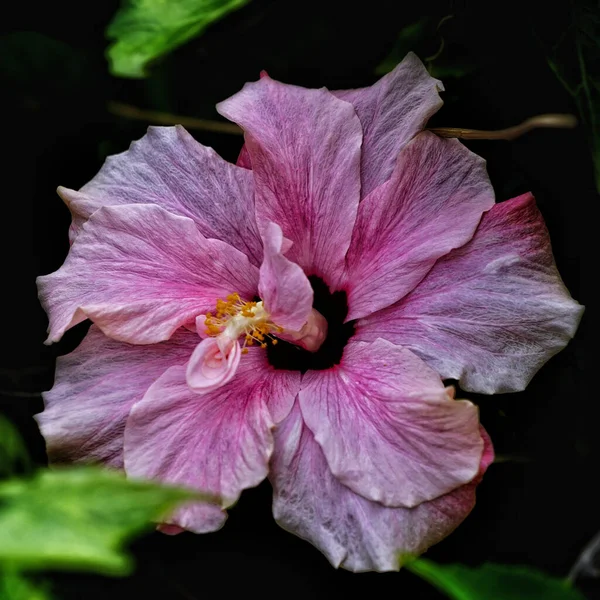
x,y
283,286
432,204
391,112
140,272
304,147
355,533
243,160
387,427
219,442
198,517
94,389
212,364
312,334
491,313
168,167
170,529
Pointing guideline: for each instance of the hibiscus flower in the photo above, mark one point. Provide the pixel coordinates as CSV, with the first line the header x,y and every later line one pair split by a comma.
x,y
294,316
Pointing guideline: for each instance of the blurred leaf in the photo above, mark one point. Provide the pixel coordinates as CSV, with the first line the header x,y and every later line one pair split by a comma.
x,y
449,71
424,38
144,30
493,582
13,453
33,61
13,586
408,40
575,60
78,518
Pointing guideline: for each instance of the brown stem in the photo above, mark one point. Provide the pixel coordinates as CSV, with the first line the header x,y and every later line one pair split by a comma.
x,y
163,118
558,121
128,111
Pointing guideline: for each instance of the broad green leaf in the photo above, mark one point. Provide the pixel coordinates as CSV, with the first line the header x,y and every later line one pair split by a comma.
x,y
144,30
14,586
493,582
13,454
78,518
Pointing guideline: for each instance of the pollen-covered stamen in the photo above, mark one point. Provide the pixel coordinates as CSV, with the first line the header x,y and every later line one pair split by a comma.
x,y
235,317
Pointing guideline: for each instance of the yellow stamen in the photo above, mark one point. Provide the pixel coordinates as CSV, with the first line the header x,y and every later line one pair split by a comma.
x,y
235,317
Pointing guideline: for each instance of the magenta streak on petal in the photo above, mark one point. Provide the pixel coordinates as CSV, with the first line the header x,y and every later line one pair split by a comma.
x,y
353,532
491,313
140,272
432,204
304,147
94,389
392,111
169,168
387,427
243,160
219,442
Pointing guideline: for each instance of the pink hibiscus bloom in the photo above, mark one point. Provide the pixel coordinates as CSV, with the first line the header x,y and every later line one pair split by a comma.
x,y
294,316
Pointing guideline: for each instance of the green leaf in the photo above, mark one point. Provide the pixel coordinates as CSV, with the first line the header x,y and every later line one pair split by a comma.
x,y
408,39
78,518
493,582
13,454
144,30
424,38
452,71
13,586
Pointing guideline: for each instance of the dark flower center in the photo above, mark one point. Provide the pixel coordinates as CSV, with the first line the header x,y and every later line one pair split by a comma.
x,y
334,307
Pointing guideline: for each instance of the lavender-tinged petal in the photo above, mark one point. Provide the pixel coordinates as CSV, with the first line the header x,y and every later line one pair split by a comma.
x,y
94,389
491,313
304,146
168,167
353,532
432,204
392,111
140,272
387,427
219,442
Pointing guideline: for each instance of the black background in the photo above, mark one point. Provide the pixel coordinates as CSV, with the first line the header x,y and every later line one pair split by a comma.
x,y
538,508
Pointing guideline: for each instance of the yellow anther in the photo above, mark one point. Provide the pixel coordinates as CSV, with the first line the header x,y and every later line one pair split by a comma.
x,y
274,342
234,317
